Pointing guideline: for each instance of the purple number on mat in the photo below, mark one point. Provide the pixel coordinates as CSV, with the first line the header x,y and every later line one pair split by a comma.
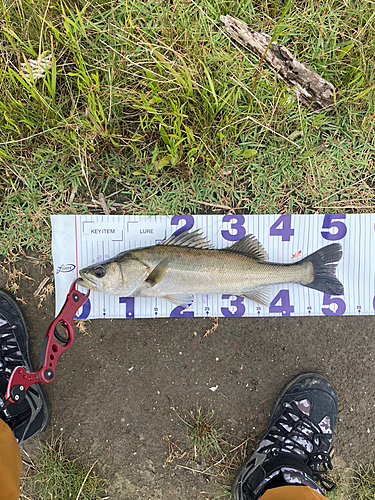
x,y
328,300
237,303
285,307
330,220
129,303
236,223
86,308
286,231
189,223
180,311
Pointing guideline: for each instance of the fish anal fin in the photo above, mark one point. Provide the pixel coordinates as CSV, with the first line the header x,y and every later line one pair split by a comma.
x,y
158,273
189,239
249,246
260,295
184,300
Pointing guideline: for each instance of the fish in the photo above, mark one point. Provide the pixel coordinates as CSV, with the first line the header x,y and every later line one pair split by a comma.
x,y
185,265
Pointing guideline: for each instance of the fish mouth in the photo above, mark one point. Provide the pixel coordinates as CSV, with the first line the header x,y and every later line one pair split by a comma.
x,y
89,283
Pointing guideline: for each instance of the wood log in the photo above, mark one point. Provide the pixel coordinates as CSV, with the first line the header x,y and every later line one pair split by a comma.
x,y
311,89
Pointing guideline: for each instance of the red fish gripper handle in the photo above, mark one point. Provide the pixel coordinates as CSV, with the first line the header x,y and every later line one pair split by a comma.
x,y
53,346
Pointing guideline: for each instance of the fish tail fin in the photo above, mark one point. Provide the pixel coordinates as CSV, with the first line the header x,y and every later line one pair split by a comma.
x,y
324,262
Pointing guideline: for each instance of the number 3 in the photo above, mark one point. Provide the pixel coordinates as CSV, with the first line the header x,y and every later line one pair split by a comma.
x,y
237,302
236,223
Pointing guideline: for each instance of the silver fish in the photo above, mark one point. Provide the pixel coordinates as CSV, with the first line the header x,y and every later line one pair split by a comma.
x,y
186,265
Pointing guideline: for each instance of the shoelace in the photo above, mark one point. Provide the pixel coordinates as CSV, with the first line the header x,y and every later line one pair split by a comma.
x,y
11,357
316,458
10,354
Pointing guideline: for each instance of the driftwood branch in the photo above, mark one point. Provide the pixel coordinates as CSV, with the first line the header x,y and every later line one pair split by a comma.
x,y
312,90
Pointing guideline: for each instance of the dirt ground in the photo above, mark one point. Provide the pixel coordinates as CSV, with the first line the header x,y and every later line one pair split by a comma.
x,y
117,392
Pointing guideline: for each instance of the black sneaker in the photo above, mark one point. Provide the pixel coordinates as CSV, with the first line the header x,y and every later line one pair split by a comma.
x,y
295,447
29,417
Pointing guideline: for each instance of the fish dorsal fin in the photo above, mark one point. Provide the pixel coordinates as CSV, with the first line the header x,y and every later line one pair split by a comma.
x,y
250,246
189,239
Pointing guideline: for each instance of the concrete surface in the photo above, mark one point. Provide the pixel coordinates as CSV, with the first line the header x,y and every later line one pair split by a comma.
x,y
117,392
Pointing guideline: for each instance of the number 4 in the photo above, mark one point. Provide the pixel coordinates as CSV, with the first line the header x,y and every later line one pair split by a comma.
x,y
285,307
286,231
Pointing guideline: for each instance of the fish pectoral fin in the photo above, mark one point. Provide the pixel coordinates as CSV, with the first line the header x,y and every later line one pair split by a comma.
x,y
260,295
249,246
158,273
184,300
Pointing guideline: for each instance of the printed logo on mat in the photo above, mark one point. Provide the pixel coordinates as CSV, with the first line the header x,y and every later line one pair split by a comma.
x,y
65,268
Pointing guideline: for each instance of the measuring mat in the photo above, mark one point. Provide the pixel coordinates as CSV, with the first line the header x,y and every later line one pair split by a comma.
x,y
81,240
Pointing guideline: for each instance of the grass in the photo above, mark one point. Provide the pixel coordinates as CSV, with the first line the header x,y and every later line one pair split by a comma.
x,y
357,483
208,451
150,103
363,482
218,457
54,475
204,438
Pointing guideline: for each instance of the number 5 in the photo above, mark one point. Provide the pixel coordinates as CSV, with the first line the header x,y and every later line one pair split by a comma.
x,y
330,220
328,300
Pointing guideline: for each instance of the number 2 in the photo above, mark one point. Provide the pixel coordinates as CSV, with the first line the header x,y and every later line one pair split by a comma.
x,y
180,311
189,223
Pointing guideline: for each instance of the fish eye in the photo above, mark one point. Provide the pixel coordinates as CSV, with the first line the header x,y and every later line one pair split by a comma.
x,y
99,271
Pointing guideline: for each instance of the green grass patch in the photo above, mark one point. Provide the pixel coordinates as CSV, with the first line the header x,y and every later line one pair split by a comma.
x,y
218,457
152,104
356,483
209,451
54,475
204,439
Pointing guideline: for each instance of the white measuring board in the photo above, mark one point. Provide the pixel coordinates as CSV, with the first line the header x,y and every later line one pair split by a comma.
x,y
81,240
